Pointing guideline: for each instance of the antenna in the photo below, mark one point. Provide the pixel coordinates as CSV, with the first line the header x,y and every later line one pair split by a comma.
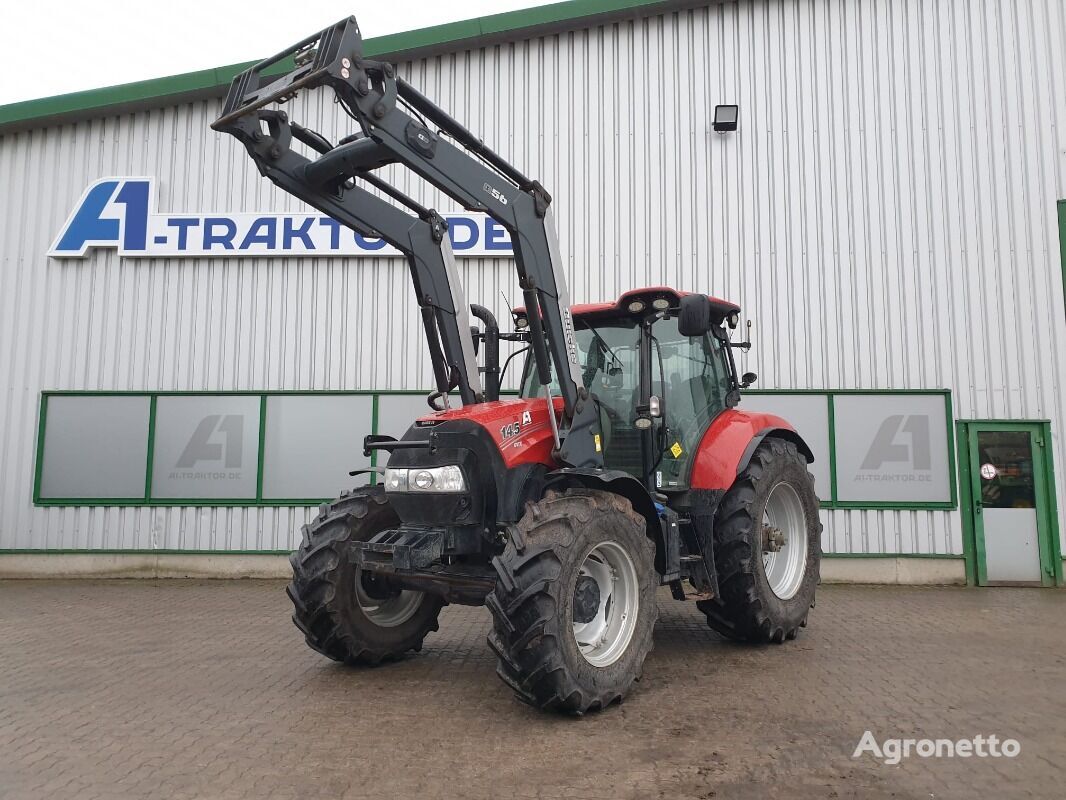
x,y
507,303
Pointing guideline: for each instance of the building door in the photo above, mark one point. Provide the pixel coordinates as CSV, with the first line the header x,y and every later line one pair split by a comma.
x,y
1011,502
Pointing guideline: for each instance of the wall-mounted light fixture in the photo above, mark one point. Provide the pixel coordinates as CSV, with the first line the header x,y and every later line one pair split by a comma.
x,y
725,118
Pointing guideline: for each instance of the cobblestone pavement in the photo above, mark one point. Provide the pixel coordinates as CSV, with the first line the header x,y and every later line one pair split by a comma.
x,y
175,689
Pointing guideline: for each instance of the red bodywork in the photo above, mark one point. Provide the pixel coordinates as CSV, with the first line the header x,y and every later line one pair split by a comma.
x,y
521,429
723,444
520,441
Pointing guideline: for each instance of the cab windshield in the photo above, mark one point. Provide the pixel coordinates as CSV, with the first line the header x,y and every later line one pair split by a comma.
x,y
691,376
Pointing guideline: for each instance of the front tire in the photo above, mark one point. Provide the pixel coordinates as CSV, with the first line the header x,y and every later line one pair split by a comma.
x,y
344,614
574,605
767,548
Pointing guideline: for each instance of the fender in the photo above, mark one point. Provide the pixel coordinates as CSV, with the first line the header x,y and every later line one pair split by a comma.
x,y
729,443
624,485
616,482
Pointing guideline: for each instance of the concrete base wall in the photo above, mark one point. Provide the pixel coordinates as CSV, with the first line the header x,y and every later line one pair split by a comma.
x,y
910,571
200,565
143,565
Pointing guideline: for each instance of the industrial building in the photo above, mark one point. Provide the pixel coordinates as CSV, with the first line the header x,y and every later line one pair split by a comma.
x,y
190,358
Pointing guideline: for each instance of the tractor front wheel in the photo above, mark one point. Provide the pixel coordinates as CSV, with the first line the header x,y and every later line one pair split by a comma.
x,y
767,548
574,605
346,614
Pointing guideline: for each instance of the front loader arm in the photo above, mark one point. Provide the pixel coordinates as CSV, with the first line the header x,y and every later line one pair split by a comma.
x,y
422,239
395,121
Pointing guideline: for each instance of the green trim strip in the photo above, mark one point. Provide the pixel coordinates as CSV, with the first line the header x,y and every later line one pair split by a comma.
x,y
1054,533
107,552
939,556
831,411
148,472
969,541
39,466
452,36
262,441
374,409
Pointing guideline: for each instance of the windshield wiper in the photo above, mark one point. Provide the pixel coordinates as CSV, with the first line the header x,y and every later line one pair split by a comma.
x,y
603,343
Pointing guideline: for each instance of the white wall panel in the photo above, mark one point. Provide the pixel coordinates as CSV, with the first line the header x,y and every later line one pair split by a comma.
x,y
885,214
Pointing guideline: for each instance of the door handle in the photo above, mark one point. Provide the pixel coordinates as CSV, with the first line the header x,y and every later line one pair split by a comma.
x,y
978,507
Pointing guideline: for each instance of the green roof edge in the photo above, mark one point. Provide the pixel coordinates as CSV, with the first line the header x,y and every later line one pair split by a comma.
x,y
424,41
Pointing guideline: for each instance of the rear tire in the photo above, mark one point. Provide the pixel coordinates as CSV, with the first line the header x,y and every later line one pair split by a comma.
x,y
344,615
766,589
578,565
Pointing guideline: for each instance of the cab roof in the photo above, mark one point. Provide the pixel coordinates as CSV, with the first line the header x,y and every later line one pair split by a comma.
x,y
647,295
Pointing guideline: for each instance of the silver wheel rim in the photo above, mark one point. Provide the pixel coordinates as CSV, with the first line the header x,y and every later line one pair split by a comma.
x,y
784,541
391,611
604,638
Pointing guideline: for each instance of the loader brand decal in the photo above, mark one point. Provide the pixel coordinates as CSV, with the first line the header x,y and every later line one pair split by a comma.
x,y
496,193
568,332
121,213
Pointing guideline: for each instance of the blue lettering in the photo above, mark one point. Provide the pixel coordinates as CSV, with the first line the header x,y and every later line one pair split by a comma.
x,y
134,195
334,231
288,233
263,231
369,244
182,224
495,236
86,226
472,233
225,238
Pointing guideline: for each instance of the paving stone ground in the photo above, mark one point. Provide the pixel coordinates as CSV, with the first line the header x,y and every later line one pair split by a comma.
x,y
175,689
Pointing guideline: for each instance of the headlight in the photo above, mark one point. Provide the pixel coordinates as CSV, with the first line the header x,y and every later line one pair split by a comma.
x,y
425,479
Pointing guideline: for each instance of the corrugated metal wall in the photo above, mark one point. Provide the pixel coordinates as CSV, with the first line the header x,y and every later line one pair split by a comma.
x,y
885,214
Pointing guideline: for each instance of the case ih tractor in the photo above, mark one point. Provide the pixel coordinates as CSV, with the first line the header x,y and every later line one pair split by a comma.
x,y
625,463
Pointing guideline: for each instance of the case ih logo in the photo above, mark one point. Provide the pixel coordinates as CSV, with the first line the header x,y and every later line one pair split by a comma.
x,y
121,213
902,441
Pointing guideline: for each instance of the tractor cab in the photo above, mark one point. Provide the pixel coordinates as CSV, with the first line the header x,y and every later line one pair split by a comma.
x,y
656,388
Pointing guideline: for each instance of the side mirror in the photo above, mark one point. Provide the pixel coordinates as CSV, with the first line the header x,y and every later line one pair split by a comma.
x,y
747,379
694,318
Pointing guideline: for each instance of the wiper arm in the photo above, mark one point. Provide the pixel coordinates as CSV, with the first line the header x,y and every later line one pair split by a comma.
x,y
603,343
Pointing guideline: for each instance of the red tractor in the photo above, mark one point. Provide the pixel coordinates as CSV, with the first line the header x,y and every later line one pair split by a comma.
x,y
625,463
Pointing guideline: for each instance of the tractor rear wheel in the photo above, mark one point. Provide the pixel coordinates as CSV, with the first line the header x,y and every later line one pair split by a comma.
x,y
767,548
346,615
574,605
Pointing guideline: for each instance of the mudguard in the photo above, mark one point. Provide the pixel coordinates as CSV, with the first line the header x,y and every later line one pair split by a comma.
x,y
625,485
729,443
